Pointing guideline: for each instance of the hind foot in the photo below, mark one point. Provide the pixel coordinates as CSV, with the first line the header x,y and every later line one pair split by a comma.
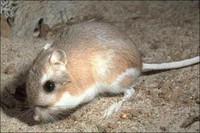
x,y
116,106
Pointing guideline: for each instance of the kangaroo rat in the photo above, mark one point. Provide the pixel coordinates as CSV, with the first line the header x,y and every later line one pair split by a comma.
x,y
90,58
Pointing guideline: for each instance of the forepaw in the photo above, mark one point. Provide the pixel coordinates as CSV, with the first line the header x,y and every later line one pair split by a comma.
x,y
112,109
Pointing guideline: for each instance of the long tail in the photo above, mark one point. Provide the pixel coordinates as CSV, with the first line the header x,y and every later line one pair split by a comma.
x,y
171,65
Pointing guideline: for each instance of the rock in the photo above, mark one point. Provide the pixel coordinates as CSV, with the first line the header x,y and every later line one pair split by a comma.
x,y
5,28
136,112
197,99
190,120
188,100
163,128
123,115
113,125
51,12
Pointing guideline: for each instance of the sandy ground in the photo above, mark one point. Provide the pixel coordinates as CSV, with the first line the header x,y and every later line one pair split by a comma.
x,y
163,32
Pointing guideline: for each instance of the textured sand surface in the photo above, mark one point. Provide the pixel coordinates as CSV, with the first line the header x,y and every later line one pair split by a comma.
x,y
163,32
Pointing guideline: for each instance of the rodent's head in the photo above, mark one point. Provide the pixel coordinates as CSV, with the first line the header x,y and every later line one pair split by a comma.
x,y
44,80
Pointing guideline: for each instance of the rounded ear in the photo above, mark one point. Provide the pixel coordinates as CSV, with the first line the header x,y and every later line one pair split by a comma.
x,y
58,57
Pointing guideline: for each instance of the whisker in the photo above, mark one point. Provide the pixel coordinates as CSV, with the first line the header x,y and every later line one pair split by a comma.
x,y
63,113
43,117
27,112
49,117
55,116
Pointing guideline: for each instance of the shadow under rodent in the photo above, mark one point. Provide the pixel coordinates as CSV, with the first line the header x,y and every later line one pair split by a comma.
x,y
14,105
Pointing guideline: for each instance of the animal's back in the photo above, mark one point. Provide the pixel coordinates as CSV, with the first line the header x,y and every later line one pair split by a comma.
x,y
97,52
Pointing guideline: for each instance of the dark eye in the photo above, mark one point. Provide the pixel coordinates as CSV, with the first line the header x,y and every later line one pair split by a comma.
x,y
49,86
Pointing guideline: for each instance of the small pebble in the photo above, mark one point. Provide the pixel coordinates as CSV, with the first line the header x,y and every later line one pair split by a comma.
x,y
113,125
163,128
136,112
123,116
10,69
197,99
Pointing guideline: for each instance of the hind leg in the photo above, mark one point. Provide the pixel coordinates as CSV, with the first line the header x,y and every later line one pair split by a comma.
x,y
116,106
122,84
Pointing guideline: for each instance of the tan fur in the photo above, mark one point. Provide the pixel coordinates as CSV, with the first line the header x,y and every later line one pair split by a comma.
x,y
120,65
90,47
127,81
80,73
81,55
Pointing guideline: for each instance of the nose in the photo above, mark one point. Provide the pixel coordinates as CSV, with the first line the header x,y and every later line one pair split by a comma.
x,y
36,118
39,111
37,114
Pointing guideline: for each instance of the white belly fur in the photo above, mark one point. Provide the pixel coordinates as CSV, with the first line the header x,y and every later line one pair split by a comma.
x,y
68,101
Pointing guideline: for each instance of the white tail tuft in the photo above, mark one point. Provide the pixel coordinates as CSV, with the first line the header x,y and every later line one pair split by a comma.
x,y
170,65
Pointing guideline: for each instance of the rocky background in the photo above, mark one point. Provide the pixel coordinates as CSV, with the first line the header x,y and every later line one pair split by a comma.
x,y
163,31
